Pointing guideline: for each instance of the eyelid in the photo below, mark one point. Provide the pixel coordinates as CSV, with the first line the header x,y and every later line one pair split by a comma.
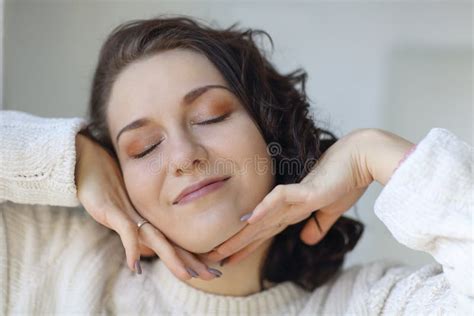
x,y
147,151
214,120
152,147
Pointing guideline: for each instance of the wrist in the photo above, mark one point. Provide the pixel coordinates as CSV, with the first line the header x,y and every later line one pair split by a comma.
x,y
81,142
385,152
405,156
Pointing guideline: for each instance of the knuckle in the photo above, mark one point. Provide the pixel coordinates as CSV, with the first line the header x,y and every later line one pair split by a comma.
x,y
307,195
280,189
281,195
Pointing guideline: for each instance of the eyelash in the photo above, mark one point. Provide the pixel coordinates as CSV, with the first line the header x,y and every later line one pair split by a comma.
x,y
211,121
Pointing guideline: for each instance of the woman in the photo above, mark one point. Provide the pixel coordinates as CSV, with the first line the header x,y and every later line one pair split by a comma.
x,y
199,152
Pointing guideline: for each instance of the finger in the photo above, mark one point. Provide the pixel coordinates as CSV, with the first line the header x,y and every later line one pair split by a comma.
x,y
312,233
288,193
200,268
166,251
210,257
235,243
128,233
341,205
118,221
146,251
245,252
129,238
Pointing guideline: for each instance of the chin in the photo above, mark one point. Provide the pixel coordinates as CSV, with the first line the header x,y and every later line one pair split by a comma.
x,y
198,243
228,234
201,228
206,243
198,249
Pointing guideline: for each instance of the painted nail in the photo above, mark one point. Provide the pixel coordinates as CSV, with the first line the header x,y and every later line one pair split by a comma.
x,y
216,272
246,217
223,261
138,267
193,273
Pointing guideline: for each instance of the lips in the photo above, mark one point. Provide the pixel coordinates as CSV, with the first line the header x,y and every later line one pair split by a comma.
x,y
197,186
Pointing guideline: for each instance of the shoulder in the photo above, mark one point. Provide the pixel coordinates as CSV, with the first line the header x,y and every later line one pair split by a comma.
x,y
387,286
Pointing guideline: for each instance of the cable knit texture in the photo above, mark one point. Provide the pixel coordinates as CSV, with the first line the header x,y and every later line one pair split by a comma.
x,y
54,258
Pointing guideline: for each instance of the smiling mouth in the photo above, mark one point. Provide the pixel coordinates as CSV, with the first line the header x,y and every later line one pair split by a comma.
x,y
204,190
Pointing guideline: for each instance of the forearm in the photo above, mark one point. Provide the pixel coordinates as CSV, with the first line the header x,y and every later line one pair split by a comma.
x,y
37,158
383,152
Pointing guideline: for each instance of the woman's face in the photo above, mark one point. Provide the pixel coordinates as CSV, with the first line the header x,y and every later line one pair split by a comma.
x,y
191,148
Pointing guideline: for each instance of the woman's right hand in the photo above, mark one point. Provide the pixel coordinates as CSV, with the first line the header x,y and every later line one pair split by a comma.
x,y
101,190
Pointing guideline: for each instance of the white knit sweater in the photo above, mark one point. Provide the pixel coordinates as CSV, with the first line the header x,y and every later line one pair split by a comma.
x,y
54,258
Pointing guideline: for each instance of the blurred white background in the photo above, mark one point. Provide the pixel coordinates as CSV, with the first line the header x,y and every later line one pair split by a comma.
x,y
404,66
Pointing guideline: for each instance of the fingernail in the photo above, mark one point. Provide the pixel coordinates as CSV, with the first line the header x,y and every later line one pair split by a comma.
x,y
216,272
246,217
138,267
193,273
223,261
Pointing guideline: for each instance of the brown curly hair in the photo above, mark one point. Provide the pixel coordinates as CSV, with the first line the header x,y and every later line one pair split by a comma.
x,y
278,106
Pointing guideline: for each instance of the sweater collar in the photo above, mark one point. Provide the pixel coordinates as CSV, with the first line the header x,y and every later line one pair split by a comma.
x,y
283,298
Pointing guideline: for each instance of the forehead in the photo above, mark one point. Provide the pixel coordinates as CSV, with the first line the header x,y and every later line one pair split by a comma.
x,y
157,84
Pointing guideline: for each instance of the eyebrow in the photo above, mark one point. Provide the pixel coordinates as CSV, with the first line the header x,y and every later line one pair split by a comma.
x,y
190,97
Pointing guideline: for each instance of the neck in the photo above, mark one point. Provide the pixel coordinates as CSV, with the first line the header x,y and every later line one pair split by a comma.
x,y
238,279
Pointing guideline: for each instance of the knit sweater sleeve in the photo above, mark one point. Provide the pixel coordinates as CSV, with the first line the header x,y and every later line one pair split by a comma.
x,y
37,159
427,205
54,258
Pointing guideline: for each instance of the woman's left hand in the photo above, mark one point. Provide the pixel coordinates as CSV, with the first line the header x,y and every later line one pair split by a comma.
x,y
335,183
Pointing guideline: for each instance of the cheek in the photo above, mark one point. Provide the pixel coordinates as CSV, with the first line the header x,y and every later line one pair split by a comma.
x,y
249,150
143,186
252,163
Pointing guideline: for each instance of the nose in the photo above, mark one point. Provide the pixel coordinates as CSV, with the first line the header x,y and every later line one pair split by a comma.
x,y
186,154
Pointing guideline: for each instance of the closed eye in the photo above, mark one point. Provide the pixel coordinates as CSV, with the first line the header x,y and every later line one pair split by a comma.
x,y
146,152
215,120
151,148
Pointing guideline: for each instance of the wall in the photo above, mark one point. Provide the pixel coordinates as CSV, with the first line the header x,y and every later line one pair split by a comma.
x,y
401,66
1,53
